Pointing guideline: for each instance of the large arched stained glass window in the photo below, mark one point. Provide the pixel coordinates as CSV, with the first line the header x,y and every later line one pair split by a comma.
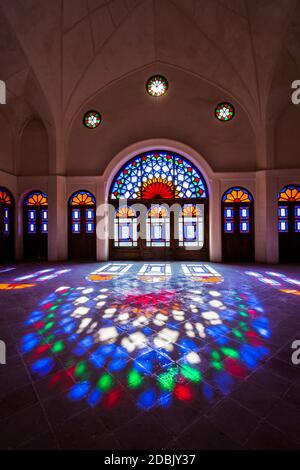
x,y
166,200
158,175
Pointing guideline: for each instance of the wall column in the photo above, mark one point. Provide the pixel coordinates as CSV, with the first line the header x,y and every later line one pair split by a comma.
x,y
215,238
266,232
101,223
57,219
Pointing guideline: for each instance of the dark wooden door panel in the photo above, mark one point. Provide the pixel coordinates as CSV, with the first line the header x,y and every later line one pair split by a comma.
x,y
236,246
81,246
6,239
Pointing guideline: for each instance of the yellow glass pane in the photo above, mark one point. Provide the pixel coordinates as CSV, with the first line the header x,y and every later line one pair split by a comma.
x,y
234,194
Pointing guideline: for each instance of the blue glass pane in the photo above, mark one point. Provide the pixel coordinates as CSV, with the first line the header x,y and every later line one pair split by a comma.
x,y
244,226
283,226
89,227
283,211
228,226
89,214
31,215
45,214
44,227
244,212
31,227
75,227
228,212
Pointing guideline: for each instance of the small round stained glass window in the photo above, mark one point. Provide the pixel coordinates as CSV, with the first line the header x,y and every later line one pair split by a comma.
x,y
157,85
92,119
224,112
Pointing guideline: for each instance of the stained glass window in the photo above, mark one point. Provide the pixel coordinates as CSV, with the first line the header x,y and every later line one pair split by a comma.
x,y
191,226
125,227
237,195
157,85
82,198
158,226
224,112
36,198
158,175
83,212
236,215
5,197
92,119
289,193
289,212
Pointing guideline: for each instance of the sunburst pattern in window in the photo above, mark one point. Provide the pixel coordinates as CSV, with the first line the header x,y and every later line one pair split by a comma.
x,y
289,193
81,198
5,197
236,195
36,198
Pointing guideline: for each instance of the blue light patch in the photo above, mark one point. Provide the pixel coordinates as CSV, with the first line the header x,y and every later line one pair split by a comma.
x,y
147,399
29,342
79,391
43,366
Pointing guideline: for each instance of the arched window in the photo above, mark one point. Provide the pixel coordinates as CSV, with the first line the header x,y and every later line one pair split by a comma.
x,y
6,225
289,223
35,225
161,179
162,175
82,231
238,225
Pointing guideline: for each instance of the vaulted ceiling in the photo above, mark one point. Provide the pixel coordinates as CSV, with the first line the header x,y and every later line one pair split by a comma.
x,y
59,57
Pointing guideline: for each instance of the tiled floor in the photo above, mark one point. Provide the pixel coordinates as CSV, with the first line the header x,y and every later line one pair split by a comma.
x,y
129,356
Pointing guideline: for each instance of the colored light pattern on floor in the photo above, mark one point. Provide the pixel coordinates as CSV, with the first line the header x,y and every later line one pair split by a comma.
x,y
15,286
275,279
156,272
6,270
163,342
202,273
109,271
43,275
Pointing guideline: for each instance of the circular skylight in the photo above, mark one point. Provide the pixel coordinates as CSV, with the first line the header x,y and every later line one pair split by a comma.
x,y
224,112
92,119
157,85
